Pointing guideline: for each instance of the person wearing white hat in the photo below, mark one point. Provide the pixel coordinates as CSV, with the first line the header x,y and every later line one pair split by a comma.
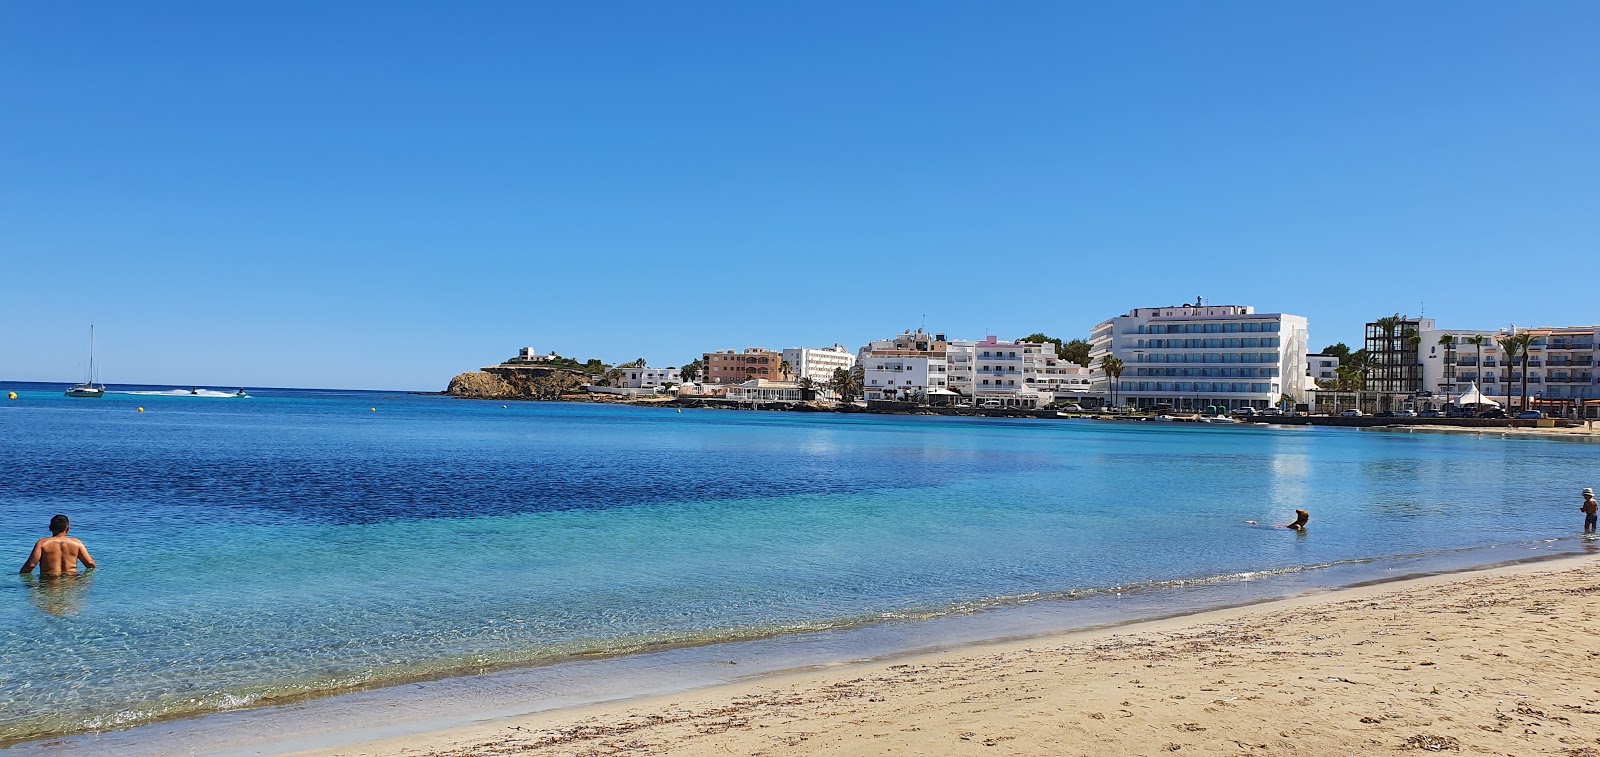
x,y
1590,510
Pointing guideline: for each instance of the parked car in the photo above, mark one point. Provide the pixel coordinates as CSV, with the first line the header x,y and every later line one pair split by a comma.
x,y
1492,414
1388,414
1245,411
1529,415
1405,413
1072,408
1351,413
1271,411
1432,414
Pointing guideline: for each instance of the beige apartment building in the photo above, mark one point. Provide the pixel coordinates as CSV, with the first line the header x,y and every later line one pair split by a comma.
x,y
735,367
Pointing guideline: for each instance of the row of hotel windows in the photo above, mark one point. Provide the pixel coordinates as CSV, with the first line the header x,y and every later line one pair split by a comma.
x,y
1196,386
1209,372
1210,344
1207,357
1581,378
1247,327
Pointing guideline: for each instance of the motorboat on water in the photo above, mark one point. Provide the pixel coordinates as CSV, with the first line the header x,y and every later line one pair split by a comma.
x,y
1219,419
240,393
194,390
87,389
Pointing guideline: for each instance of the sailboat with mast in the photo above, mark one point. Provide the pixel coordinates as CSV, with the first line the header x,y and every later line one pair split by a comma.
x,y
87,388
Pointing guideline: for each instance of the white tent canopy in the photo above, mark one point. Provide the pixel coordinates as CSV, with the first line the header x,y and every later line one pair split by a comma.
x,y
1474,397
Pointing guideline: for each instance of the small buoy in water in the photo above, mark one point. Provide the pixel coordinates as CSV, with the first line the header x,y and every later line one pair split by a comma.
x,y
502,407
141,409
11,395
374,410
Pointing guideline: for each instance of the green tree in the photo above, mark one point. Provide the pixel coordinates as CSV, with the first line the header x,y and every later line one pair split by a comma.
x,y
1113,368
1338,349
784,369
843,384
1076,351
1448,342
1478,340
690,372
595,367
1512,345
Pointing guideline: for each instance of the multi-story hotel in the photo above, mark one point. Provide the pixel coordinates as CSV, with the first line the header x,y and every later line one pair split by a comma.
x,y
735,367
908,366
1561,364
1192,356
817,364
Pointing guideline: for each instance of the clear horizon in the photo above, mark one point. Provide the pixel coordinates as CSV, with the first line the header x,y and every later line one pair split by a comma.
x,y
368,193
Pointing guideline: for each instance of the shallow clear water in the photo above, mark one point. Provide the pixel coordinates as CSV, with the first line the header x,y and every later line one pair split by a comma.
x,y
297,543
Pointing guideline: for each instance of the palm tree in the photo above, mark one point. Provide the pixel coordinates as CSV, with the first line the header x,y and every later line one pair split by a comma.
x,y
785,369
1478,340
1353,375
690,372
1512,345
1113,368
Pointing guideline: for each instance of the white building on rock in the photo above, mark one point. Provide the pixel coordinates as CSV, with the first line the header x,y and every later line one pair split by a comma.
x,y
1192,356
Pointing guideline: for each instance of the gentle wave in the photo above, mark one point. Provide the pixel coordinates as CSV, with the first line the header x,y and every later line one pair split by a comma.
x,y
182,393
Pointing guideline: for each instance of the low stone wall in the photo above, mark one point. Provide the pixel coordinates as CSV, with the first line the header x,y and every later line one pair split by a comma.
x,y
1371,421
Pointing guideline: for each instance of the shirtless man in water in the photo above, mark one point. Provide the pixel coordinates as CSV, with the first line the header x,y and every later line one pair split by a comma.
x,y
58,554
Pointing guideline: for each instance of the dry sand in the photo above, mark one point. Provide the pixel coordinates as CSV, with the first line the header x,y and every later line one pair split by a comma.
x,y
1498,662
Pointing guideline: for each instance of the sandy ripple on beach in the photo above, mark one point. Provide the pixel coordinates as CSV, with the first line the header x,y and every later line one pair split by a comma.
x,y
1506,663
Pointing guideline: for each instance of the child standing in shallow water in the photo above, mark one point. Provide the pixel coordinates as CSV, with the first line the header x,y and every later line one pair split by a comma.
x,y
1590,510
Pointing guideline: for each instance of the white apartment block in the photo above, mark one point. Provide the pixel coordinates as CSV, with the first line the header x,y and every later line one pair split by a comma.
x,y
647,378
1320,368
1006,374
1560,368
908,366
1192,356
817,364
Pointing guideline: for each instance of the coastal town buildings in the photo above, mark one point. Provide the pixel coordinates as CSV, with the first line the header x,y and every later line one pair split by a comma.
x,y
643,377
1322,368
762,390
1195,355
817,364
1392,345
992,373
912,365
734,367
1561,361
528,355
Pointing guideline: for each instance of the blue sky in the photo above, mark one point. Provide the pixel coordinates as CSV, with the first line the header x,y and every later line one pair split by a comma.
x,y
386,194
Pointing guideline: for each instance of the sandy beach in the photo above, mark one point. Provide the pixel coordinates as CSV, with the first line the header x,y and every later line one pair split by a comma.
x,y
1504,661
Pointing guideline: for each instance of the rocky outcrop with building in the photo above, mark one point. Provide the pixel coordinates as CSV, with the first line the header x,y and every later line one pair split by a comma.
x,y
517,382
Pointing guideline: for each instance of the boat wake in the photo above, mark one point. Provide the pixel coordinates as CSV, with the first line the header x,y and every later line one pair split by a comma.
x,y
182,393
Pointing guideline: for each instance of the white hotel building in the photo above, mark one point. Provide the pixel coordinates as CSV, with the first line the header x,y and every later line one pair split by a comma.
x,y
1561,367
817,364
1192,356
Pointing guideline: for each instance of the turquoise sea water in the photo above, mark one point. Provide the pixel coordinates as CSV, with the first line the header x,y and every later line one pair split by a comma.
x,y
297,543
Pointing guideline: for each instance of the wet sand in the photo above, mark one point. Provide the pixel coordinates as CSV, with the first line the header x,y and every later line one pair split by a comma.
x,y
1505,661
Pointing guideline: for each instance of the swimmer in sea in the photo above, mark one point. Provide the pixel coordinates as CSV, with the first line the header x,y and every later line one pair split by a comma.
x,y
58,554
1300,518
